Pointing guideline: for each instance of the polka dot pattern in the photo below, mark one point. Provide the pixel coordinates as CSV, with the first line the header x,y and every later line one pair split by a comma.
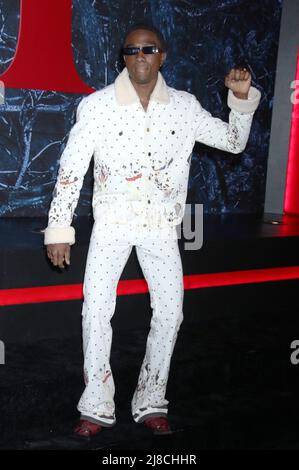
x,y
162,268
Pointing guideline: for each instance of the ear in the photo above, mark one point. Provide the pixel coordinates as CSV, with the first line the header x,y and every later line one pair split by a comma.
x,y
163,58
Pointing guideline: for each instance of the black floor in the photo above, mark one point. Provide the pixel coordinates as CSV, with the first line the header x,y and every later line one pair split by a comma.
x,y
232,384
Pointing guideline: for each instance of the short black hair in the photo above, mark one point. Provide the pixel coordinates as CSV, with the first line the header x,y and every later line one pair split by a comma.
x,y
148,27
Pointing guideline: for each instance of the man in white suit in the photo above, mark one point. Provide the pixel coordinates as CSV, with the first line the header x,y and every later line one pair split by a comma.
x,y
141,133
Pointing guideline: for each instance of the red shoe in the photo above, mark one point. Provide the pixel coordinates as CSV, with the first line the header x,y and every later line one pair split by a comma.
x,y
86,428
159,425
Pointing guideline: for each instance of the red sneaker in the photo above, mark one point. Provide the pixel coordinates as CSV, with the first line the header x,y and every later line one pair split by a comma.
x,y
159,425
86,428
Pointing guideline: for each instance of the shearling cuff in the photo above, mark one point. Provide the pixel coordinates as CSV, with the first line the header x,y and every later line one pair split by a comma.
x,y
59,235
244,106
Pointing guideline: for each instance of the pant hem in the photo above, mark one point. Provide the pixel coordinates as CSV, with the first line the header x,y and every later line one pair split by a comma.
x,y
105,422
140,417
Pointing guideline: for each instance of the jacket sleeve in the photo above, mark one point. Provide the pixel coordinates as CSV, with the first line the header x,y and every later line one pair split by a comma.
x,y
232,136
74,164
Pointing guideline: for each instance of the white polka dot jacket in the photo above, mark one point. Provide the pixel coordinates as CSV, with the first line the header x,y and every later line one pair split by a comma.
x,y
141,158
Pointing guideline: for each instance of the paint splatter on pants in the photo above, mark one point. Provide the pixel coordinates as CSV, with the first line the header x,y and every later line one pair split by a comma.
x,y
160,260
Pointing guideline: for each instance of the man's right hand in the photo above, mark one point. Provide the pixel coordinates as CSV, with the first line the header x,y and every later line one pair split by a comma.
x,y
58,253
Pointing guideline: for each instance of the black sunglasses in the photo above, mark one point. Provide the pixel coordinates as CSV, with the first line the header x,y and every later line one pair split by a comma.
x,y
132,50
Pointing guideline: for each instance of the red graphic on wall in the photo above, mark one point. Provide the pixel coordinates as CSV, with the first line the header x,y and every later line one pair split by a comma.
x,y
44,58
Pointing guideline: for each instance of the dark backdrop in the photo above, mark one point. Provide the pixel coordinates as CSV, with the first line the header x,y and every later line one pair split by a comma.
x,y
206,38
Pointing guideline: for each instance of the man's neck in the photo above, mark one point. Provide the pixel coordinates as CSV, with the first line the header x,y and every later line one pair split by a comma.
x,y
144,91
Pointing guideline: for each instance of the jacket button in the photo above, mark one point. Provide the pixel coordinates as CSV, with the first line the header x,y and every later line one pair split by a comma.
x,y
149,154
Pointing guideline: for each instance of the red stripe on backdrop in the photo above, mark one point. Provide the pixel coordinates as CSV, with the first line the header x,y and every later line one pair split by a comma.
x,y
291,199
139,286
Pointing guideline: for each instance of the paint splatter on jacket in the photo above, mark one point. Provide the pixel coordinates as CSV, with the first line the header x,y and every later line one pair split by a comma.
x,y
141,159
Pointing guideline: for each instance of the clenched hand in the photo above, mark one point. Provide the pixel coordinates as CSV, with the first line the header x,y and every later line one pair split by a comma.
x,y
238,80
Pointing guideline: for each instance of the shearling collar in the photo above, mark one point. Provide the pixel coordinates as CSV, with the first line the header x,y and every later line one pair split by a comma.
x,y
126,94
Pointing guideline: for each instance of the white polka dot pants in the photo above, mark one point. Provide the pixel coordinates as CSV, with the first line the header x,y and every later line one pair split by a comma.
x,y
161,264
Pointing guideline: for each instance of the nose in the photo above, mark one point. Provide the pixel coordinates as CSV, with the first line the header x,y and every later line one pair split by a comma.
x,y
140,55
